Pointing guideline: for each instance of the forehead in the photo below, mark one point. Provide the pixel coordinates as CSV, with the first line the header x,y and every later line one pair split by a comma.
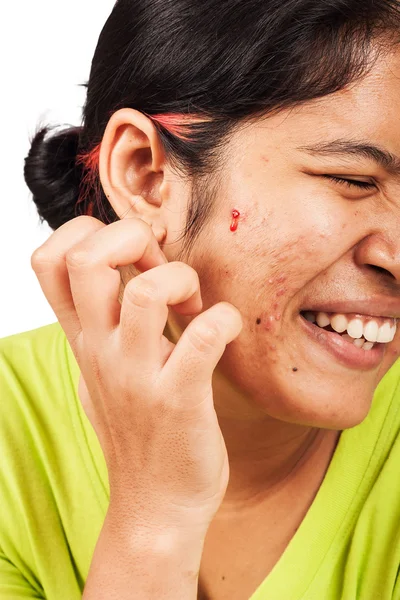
x,y
371,104
367,109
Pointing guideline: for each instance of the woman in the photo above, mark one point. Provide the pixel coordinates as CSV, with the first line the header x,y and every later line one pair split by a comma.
x,y
224,423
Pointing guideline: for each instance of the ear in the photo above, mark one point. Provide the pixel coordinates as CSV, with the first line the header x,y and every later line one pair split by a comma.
x,y
131,168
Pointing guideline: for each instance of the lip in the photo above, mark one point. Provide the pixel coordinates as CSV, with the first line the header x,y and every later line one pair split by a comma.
x,y
375,306
344,352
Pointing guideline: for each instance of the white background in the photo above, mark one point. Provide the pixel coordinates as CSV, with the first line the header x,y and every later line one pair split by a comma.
x,y
46,49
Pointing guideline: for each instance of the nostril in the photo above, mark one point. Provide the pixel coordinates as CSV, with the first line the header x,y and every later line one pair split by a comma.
x,y
381,270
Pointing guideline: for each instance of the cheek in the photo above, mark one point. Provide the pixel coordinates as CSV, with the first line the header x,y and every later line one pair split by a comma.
x,y
282,257
292,249
268,258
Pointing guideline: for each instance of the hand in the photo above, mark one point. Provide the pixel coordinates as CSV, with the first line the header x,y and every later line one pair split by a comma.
x,y
149,401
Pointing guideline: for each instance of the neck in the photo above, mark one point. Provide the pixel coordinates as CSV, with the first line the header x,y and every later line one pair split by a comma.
x,y
267,457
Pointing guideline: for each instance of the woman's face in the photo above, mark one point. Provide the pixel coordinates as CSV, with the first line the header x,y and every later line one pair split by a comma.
x,y
307,241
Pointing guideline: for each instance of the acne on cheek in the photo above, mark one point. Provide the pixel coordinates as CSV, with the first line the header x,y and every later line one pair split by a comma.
x,y
275,297
269,324
290,253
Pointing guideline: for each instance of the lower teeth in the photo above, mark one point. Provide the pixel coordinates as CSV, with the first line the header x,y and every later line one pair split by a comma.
x,y
359,342
368,346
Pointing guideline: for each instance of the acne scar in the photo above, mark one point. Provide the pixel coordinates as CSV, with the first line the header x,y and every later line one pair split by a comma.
x,y
235,220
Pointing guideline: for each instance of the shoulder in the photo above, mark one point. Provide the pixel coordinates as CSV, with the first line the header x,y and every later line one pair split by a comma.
x,y
35,364
31,348
37,381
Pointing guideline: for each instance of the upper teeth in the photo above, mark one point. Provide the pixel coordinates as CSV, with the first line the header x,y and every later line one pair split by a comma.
x,y
373,330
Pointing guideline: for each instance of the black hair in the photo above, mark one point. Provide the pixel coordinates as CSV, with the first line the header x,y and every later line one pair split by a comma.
x,y
224,61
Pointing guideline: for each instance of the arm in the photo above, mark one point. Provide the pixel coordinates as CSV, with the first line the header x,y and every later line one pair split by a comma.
x,y
150,401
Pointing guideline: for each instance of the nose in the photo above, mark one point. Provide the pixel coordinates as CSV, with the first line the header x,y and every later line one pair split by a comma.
x,y
381,253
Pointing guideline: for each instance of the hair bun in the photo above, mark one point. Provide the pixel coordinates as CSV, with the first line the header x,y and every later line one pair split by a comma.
x,y
52,176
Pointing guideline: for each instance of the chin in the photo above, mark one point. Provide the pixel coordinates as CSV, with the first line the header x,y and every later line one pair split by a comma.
x,y
316,388
322,406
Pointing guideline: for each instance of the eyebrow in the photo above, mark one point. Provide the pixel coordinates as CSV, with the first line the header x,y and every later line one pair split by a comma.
x,y
390,162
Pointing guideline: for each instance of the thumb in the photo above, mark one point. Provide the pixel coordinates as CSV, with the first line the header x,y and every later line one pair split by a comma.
x,y
190,366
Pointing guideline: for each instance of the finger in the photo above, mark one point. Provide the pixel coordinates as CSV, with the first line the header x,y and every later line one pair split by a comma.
x,y
190,367
144,309
48,262
94,276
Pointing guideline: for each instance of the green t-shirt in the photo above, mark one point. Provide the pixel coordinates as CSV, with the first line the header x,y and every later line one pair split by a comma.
x,y
54,490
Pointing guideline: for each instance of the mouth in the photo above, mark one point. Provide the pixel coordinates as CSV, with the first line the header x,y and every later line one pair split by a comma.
x,y
356,340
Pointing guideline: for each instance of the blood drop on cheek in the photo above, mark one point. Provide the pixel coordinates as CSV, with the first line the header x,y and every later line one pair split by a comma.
x,y
235,220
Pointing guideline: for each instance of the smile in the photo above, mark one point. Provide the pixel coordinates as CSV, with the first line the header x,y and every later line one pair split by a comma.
x,y
355,340
361,330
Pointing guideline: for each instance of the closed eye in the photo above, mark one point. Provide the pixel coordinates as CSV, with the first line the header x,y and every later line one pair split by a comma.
x,y
363,185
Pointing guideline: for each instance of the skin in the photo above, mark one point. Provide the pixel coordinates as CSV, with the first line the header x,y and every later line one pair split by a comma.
x,y
301,238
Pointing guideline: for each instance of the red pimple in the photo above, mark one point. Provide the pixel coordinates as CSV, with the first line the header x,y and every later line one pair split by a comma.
x,y
269,322
280,292
281,279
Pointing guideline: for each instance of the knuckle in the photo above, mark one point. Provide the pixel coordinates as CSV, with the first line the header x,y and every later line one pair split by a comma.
x,y
141,292
87,220
39,259
203,336
78,257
